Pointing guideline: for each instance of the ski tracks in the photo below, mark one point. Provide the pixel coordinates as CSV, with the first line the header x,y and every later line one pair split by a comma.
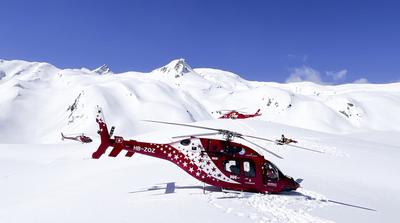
x,y
291,207
326,149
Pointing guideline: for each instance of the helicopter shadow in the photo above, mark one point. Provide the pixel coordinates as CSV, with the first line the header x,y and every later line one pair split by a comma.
x,y
170,188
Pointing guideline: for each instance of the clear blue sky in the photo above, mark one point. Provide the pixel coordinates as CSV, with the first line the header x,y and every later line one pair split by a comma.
x,y
260,40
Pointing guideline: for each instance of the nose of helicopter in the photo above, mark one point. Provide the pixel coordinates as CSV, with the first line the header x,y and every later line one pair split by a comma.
x,y
291,184
295,184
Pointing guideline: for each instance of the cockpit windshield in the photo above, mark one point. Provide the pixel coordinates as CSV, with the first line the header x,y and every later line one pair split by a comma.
x,y
270,171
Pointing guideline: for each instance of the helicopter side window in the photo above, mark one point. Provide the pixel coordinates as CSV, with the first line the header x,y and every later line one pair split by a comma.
x,y
232,166
249,169
233,149
185,142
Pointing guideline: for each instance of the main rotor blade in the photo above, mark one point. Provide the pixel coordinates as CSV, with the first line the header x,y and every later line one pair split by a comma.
x,y
255,137
233,109
200,134
180,124
221,131
280,157
300,147
225,110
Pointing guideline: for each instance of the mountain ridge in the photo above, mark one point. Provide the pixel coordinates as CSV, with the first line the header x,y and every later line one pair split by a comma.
x,y
191,96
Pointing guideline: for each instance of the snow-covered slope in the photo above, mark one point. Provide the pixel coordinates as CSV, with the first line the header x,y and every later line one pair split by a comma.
x,y
60,182
40,100
44,180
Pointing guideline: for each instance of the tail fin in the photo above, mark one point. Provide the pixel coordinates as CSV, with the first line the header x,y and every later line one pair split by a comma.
x,y
62,136
257,112
104,135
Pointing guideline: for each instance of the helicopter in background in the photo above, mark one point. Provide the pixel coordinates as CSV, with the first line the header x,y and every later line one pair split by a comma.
x,y
235,114
80,138
222,163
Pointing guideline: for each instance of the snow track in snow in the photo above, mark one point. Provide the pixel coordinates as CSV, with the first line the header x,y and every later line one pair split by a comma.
x,y
326,149
292,207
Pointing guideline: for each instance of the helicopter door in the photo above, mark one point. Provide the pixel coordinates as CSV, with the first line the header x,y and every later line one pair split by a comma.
x,y
249,171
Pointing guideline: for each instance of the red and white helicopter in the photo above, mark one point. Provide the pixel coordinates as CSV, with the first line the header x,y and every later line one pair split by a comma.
x,y
80,138
221,163
235,114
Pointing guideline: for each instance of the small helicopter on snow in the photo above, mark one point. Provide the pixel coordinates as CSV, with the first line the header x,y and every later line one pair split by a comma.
x,y
80,138
235,114
221,163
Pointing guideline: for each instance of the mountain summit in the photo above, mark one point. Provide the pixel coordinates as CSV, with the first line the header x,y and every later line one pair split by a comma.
x,y
176,67
103,69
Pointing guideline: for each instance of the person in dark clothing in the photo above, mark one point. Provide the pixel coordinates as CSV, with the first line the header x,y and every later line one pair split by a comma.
x,y
285,140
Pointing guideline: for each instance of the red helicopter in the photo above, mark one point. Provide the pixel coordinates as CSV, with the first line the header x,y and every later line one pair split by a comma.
x,y
80,138
221,163
234,114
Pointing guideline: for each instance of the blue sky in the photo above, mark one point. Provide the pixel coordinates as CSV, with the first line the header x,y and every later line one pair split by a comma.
x,y
322,40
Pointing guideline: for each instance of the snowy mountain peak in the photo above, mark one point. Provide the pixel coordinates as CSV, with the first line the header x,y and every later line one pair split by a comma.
x,y
176,67
103,69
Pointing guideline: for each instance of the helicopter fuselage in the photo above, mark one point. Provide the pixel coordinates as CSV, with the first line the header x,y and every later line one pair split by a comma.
x,y
224,164
80,138
238,115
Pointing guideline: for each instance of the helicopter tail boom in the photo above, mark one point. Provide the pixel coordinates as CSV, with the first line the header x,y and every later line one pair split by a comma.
x,y
117,143
105,137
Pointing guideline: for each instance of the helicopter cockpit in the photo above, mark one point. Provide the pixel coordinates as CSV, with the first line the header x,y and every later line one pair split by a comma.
x,y
270,172
233,115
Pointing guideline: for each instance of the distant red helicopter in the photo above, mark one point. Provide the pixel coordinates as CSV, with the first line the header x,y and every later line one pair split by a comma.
x,y
80,138
234,114
221,163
